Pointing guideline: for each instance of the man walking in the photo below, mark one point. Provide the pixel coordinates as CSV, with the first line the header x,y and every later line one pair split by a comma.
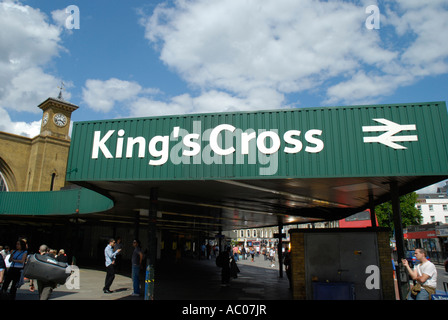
x,y
110,260
425,275
45,288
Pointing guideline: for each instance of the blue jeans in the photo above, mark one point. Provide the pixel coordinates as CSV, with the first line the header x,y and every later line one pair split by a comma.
x,y
422,295
136,279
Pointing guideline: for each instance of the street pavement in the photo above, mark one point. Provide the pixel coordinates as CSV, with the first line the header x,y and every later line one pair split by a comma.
x,y
192,279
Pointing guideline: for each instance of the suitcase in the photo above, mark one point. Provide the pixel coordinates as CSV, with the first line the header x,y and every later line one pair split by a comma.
x,y
45,268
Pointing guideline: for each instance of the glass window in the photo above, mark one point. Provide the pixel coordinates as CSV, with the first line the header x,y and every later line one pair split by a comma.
x,y
3,185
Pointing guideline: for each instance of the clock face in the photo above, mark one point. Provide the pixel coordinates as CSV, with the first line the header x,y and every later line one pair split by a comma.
x,y
60,120
45,119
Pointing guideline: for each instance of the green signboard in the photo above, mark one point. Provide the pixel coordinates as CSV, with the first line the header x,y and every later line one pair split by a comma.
x,y
355,141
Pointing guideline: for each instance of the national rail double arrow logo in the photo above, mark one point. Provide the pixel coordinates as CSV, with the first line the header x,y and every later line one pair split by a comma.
x,y
389,138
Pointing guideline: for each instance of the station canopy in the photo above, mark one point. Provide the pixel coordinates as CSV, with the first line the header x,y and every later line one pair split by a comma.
x,y
237,170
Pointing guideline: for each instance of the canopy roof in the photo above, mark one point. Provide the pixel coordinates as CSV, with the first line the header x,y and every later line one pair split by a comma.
x,y
252,169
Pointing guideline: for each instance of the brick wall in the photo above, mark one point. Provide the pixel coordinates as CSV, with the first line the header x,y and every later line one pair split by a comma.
x,y
298,265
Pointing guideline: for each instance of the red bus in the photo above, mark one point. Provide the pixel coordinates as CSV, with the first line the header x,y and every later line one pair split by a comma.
x,y
358,220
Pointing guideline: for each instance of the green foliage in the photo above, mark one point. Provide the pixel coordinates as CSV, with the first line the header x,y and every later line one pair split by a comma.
x,y
410,215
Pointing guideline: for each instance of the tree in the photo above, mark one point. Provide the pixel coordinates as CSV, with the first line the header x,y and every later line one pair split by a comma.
x,y
410,215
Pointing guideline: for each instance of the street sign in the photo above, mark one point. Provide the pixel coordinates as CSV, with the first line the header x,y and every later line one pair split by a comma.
x,y
336,142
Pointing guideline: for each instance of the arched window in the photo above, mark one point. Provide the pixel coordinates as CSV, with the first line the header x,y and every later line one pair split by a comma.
x,y
3,184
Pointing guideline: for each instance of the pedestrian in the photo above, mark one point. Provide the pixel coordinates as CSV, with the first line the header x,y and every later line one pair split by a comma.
x,y
45,288
5,252
252,253
234,270
287,262
243,253
62,257
272,257
425,276
14,273
235,253
2,268
110,261
202,251
7,255
209,250
223,261
137,259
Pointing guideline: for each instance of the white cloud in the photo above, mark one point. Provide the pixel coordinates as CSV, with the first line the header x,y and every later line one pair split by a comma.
x,y
207,102
20,128
28,42
293,46
28,88
102,95
136,101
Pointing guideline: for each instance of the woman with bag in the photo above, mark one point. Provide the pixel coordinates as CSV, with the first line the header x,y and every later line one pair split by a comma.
x,y
17,260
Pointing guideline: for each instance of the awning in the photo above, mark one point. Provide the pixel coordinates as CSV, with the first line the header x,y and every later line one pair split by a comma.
x,y
250,169
64,202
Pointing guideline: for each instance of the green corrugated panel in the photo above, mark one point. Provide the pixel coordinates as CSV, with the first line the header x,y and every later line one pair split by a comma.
x,y
53,202
344,152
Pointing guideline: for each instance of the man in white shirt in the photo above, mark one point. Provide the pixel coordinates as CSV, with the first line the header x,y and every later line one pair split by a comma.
x,y
425,275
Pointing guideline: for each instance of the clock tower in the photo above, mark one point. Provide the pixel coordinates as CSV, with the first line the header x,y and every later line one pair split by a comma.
x,y
49,150
38,163
56,117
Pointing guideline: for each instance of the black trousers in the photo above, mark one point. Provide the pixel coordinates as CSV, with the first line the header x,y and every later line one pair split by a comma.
x,y
110,276
12,276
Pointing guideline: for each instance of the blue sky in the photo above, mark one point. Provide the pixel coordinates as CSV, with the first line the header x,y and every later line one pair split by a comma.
x,y
148,58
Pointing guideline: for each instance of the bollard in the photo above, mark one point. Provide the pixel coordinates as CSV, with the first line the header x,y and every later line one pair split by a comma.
x,y
149,283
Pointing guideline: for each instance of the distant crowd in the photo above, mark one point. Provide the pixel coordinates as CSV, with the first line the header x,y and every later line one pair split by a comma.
x,y
12,263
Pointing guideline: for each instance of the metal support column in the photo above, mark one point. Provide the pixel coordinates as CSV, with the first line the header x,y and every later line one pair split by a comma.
x,y
402,276
372,209
137,225
152,246
280,248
